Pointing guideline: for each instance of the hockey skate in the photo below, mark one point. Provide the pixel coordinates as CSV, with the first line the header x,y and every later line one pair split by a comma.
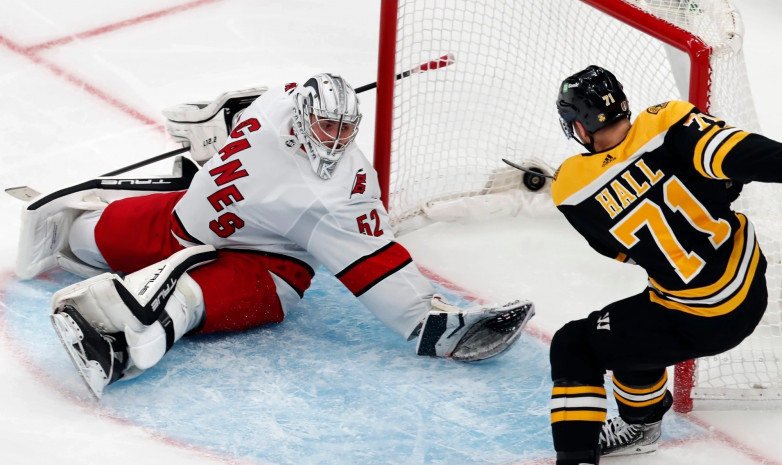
x,y
100,358
621,438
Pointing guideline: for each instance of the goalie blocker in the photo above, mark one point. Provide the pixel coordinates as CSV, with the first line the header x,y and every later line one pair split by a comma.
x,y
472,335
204,126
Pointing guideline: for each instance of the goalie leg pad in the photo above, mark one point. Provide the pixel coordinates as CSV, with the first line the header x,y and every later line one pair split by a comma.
x,y
472,335
106,323
110,303
43,236
183,312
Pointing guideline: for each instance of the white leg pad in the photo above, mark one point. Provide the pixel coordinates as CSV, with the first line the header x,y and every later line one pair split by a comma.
x,y
111,303
185,311
43,236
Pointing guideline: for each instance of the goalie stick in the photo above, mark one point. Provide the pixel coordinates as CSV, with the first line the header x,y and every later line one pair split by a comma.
x,y
27,193
183,172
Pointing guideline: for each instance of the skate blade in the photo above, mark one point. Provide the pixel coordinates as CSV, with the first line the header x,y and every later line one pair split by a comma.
x,y
634,450
92,375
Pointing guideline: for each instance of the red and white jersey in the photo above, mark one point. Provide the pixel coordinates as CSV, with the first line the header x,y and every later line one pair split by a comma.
x,y
260,193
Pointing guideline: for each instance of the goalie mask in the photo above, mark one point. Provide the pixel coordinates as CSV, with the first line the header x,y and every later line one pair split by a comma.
x,y
595,98
326,118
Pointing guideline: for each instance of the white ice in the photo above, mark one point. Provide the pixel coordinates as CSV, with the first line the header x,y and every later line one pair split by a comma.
x,y
75,106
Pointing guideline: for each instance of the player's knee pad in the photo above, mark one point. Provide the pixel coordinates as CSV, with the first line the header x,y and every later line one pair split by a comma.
x,y
204,126
113,304
571,357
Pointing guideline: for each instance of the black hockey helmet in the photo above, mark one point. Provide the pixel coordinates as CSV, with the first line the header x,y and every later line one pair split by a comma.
x,y
593,97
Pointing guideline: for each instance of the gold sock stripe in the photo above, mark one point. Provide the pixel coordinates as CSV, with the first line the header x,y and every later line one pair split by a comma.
x,y
578,415
641,396
578,403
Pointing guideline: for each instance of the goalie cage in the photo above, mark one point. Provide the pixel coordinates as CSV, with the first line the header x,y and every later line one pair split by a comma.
x,y
441,136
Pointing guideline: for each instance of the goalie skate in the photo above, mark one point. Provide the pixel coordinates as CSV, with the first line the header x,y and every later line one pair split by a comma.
x,y
100,359
472,335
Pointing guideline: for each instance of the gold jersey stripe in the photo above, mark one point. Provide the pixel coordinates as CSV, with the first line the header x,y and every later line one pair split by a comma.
x,y
719,157
731,269
727,306
700,149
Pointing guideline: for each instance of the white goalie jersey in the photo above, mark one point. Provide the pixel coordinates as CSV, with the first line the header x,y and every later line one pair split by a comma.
x,y
260,193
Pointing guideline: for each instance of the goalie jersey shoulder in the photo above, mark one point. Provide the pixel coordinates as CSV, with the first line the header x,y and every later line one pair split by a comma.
x,y
258,189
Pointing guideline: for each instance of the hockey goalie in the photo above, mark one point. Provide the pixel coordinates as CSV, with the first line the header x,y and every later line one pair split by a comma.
x,y
233,244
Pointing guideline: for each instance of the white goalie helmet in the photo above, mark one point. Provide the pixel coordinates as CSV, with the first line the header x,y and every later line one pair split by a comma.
x,y
326,118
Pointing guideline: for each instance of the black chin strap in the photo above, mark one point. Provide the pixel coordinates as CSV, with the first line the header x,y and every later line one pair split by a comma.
x,y
590,146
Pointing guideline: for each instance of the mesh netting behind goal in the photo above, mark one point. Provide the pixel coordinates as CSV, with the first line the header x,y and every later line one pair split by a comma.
x,y
449,129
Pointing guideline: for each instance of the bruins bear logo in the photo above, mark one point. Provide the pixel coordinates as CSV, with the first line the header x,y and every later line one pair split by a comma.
x,y
656,108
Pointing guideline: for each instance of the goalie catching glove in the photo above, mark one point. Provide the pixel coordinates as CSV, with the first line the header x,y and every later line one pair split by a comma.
x,y
204,126
115,327
474,334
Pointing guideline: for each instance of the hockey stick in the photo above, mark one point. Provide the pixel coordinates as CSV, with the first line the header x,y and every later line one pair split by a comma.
x,y
438,63
527,170
148,161
27,193
533,178
442,62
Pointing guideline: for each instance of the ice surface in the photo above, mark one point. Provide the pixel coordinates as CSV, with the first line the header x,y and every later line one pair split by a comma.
x,y
83,84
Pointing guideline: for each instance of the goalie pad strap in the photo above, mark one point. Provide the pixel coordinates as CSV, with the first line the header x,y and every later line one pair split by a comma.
x,y
168,326
154,308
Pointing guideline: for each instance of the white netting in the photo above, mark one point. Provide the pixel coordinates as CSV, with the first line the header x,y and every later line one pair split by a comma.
x,y
452,126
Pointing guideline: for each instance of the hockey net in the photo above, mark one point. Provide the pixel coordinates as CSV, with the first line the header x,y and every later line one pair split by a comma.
x,y
441,135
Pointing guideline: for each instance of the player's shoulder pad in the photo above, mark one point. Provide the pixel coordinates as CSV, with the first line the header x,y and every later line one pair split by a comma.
x,y
668,112
577,170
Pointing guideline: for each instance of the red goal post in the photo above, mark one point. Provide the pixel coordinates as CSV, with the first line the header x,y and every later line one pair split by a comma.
x,y
440,136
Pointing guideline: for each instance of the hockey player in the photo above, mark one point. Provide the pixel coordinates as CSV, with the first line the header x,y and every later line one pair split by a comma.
x,y
657,193
287,191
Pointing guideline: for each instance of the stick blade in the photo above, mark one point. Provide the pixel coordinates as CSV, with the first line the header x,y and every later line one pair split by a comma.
x,y
24,193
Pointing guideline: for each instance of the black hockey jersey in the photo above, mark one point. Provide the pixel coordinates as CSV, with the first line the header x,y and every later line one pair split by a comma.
x,y
662,199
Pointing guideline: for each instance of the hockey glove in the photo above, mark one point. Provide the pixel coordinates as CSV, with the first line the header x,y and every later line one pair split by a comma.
x,y
474,334
204,126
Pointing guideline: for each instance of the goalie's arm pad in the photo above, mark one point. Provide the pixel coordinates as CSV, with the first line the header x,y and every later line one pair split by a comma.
x,y
474,334
204,126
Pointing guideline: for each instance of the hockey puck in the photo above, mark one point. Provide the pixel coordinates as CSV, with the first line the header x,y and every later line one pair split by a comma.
x,y
532,181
